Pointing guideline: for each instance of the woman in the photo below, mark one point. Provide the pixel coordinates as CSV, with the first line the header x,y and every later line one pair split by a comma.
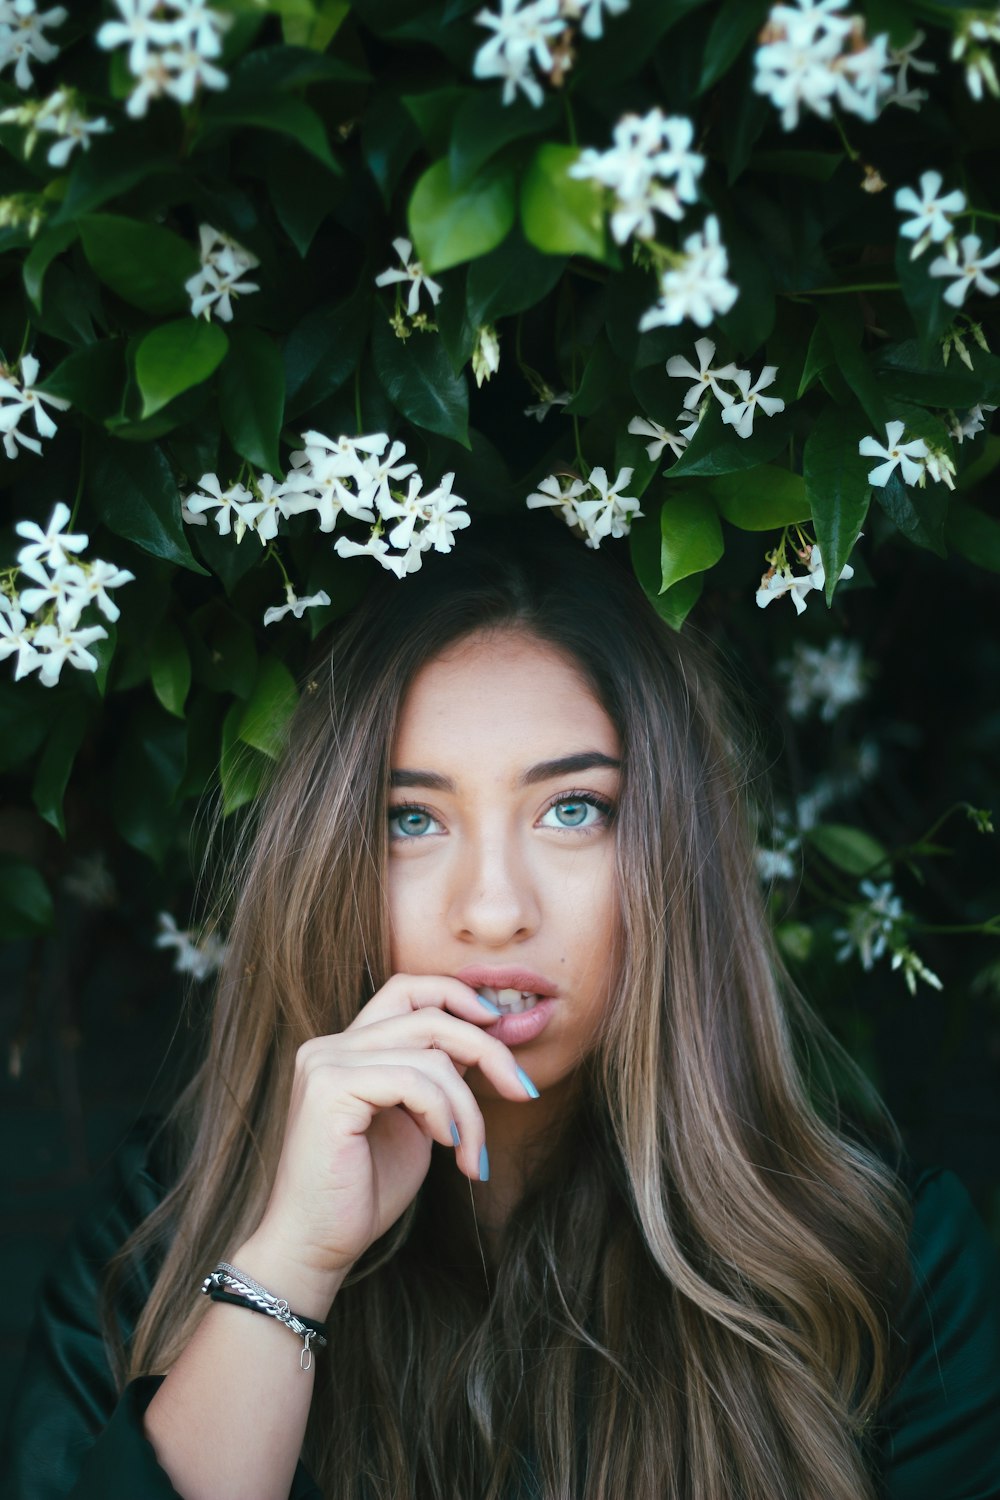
x,y
623,1244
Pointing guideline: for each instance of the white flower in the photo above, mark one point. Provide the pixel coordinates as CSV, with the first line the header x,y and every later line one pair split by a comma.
x,y
909,456
407,512
320,473
969,272
187,70
18,398
377,547
979,69
51,546
560,493
295,605
444,517
56,115
375,473
593,21
198,955
870,926
901,59
827,679
704,377
15,636
796,69
971,425
235,508
486,354
931,221
914,968
139,30
22,38
648,150
413,272
612,513
167,54
522,36
223,261
640,426
59,644
698,288
864,80
778,581
740,414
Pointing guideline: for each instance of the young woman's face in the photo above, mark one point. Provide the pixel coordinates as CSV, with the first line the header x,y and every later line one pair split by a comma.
x,y
511,864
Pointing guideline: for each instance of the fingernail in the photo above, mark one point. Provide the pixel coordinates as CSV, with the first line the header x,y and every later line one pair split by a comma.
x,y
454,1134
494,1010
484,1166
527,1083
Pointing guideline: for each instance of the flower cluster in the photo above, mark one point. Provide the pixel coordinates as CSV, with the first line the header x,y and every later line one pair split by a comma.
x,y
171,44
972,31
810,55
223,262
22,37
59,115
18,400
650,168
738,410
827,679
347,476
915,459
413,272
932,223
198,954
878,925
595,507
64,586
693,281
779,578
539,32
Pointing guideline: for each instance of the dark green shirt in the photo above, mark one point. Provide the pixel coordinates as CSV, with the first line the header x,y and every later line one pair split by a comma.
x,y
70,1434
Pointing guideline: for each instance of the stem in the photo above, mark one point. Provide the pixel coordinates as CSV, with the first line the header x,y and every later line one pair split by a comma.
x,y
992,924
570,122
273,552
834,291
852,154
79,483
977,213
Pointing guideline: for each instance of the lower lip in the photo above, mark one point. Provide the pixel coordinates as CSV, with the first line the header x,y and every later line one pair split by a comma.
x,y
523,1027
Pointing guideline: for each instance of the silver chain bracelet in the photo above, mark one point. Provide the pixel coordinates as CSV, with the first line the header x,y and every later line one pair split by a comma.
x,y
259,1299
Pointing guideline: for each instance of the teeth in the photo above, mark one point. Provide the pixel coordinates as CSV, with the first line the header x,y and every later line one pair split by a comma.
x,y
511,1002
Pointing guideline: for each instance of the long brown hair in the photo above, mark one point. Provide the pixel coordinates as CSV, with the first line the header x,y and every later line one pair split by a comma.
x,y
694,1298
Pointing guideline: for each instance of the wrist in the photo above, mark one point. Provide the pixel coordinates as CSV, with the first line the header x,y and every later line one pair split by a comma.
x,y
307,1289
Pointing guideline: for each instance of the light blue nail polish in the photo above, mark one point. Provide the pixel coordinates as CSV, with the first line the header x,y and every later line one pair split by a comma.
x,y
526,1081
454,1134
494,1010
484,1166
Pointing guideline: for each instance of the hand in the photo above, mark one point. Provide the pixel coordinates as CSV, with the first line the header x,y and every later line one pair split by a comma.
x,y
366,1105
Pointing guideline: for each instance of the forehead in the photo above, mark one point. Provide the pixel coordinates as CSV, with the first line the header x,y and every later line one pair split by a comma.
x,y
503,690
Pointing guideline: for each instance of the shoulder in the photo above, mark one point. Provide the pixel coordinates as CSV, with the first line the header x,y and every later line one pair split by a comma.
x,y
941,1425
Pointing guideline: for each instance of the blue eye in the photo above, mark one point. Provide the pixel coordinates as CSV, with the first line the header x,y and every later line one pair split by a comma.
x,y
576,809
411,819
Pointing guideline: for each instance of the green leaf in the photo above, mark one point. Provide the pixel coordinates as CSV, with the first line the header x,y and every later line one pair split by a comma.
x,y
982,466
270,111
905,375
324,349
417,376
716,449
176,356
146,776
48,245
145,265
562,215
762,500
303,194
920,514
680,599
450,224
267,69
170,668
91,379
819,356
388,141
923,295
795,939
512,278
814,166
849,849
735,22
56,762
434,110
602,375
690,536
266,714
223,653
26,908
836,481
483,126
242,769
133,490
114,163
252,397
974,535
845,331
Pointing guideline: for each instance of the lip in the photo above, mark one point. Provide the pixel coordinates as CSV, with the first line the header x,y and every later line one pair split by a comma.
x,y
508,978
515,1030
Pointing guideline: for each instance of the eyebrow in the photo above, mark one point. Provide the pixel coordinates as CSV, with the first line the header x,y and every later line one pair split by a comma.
x,y
545,770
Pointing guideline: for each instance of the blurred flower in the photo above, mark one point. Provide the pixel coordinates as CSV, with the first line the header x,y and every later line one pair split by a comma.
x,y
971,424
522,35
486,354
52,545
22,38
649,168
18,399
57,115
902,59
223,262
593,21
871,925
970,271
914,969
825,678
697,288
931,221
170,47
413,272
198,954
543,407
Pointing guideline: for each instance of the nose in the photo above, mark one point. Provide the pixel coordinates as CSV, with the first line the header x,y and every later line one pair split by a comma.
x,y
494,896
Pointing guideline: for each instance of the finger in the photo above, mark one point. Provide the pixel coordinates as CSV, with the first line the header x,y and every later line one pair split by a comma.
x,y
466,1046
403,994
429,1100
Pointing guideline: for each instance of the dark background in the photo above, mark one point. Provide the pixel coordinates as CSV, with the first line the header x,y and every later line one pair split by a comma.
x,y
94,1032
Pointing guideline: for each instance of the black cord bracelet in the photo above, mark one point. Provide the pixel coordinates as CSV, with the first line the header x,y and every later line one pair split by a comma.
x,y
249,1293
